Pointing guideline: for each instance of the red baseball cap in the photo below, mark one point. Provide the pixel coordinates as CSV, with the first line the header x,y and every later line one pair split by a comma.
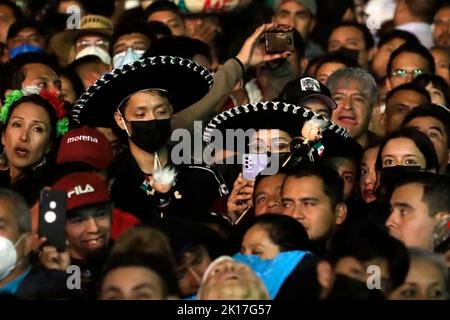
x,y
86,145
83,189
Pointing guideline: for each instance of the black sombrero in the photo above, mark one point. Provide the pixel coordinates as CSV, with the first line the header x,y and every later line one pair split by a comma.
x,y
185,81
268,115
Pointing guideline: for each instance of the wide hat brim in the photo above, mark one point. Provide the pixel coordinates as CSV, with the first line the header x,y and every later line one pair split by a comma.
x,y
62,42
184,80
268,115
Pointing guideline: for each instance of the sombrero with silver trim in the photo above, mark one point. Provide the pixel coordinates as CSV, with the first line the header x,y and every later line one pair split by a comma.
x,y
268,115
185,81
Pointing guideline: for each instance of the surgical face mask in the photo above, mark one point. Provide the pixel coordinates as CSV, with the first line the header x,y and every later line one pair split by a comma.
x,y
14,52
96,51
8,256
127,57
150,135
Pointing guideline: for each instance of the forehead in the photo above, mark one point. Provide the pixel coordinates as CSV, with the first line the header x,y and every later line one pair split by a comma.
x,y
90,37
350,86
396,42
407,59
423,271
408,193
443,13
304,186
132,37
398,145
269,134
292,6
407,97
31,111
272,181
5,11
28,31
38,70
134,275
163,16
347,32
147,100
427,123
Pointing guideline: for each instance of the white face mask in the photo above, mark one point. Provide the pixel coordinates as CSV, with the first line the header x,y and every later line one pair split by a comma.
x,y
8,256
127,57
96,51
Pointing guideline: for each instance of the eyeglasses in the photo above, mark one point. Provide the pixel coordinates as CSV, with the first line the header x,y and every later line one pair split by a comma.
x,y
81,44
277,147
402,73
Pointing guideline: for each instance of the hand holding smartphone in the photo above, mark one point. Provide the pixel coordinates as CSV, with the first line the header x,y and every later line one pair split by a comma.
x,y
253,164
52,218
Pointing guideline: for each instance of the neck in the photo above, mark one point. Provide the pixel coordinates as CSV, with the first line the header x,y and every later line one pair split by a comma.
x,y
145,160
17,272
14,173
363,140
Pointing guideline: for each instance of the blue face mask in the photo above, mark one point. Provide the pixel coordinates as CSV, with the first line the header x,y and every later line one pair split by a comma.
x,y
127,57
14,52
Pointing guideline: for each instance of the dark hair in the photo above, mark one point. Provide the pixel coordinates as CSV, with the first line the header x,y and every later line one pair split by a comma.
x,y
100,7
397,34
434,111
159,264
421,141
336,57
13,71
128,27
410,86
368,38
161,5
159,29
284,231
365,241
40,101
179,46
18,14
436,81
89,59
74,78
19,25
413,48
332,183
436,190
422,8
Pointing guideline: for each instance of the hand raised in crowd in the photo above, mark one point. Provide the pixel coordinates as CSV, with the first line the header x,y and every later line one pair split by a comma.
x,y
205,31
253,52
240,198
52,259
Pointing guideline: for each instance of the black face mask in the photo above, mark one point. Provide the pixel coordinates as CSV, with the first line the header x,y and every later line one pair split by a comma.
x,y
150,135
346,288
390,176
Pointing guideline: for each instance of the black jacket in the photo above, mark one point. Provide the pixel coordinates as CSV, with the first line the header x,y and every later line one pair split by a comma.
x,y
192,196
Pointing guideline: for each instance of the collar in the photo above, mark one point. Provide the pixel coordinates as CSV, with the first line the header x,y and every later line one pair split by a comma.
x,y
12,287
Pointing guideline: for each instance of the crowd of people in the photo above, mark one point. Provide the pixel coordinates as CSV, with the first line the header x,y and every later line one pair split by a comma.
x,y
160,150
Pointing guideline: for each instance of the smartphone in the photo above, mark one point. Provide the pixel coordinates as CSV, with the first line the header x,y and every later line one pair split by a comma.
x,y
253,164
279,41
52,218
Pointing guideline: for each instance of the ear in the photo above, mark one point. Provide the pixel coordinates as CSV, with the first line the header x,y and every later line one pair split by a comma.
x,y
3,137
29,241
312,25
325,277
383,121
119,120
171,110
341,213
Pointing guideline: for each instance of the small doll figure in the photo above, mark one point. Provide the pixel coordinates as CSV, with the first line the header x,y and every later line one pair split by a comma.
x,y
309,143
162,183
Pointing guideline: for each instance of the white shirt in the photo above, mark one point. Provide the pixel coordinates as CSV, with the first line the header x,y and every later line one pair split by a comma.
x,y
421,30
